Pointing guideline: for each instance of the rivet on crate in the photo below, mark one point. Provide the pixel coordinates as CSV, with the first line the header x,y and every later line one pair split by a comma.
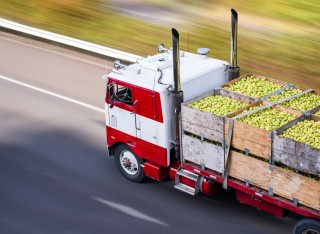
x,y
295,201
307,115
224,120
272,134
202,136
247,151
271,167
247,182
270,191
290,86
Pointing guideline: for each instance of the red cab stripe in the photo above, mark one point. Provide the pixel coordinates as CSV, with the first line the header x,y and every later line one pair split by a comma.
x,y
141,148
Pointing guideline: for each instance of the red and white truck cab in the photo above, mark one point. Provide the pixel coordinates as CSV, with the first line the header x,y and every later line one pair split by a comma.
x,y
139,102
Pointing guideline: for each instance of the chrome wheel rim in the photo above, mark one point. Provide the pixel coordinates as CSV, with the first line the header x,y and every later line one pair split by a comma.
x,y
128,162
310,231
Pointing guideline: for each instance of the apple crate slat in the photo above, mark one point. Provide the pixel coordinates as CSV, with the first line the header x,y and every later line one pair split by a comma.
x,y
315,110
248,137
203,153
250,170
206,124
297,155
296,187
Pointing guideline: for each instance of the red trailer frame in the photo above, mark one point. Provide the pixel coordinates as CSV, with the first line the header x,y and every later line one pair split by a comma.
x,y
246,193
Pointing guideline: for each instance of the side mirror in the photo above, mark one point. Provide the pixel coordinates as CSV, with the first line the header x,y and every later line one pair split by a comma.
x,y
117,64
161,48
111,94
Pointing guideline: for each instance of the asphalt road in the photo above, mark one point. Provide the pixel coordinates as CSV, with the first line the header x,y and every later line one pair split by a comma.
x,y
55,176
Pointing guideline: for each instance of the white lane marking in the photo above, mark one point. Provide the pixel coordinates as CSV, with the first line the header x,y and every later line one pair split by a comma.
x,y
55,52
130,211
41,173
53,94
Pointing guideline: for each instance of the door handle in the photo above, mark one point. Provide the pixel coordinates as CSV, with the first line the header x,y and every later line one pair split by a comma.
x,y
135,114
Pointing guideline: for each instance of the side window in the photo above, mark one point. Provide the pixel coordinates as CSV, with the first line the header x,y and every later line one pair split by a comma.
x,y
123,94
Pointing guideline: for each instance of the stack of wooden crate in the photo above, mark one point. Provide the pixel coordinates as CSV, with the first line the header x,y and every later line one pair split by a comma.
x,y
258,157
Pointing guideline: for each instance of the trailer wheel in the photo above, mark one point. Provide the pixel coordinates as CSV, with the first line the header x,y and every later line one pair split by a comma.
x,y
307,226
128,163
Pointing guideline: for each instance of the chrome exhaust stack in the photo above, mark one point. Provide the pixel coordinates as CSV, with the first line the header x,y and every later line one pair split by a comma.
x,y
177,93
233,69
176,60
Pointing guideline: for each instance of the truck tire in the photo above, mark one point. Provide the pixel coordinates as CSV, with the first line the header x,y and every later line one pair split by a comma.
x,y
307,226
128,163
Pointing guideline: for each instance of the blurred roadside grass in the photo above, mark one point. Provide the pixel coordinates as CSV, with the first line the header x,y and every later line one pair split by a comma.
x,y
285,55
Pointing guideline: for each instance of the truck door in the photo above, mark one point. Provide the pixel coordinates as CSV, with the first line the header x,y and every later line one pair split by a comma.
x,y
121,112
151,135
145,109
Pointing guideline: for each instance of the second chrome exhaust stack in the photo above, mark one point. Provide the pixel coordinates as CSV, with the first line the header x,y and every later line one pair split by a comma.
x,y
177,93
233,69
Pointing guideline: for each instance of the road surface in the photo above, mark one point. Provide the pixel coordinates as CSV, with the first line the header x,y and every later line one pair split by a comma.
x,y
55,176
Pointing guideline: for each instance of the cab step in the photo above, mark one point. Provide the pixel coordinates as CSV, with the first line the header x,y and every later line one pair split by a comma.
x,y
184,187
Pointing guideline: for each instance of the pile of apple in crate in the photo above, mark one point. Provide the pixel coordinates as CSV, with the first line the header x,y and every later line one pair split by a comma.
x,y
268,129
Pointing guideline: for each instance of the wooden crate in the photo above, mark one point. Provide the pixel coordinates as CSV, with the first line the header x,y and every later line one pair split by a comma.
x,y
208,125
275,81
296,155
203,153
257,140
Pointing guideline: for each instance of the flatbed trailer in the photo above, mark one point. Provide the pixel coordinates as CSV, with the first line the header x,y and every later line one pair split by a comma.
x,y
246,194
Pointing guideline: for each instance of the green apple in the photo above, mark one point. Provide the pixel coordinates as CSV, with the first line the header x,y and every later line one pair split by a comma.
x,y
254,86
218,105
307,131
269,119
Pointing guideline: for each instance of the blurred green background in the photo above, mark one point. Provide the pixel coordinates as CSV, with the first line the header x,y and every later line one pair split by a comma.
x,y
278,38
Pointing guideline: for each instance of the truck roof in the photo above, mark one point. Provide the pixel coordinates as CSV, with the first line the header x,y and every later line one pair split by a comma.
x,y
145,73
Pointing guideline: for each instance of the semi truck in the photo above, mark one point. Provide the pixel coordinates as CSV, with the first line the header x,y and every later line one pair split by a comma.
x,y
153,131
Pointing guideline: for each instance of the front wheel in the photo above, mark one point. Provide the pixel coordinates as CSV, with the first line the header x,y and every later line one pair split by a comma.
x,y
128,163
307,226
